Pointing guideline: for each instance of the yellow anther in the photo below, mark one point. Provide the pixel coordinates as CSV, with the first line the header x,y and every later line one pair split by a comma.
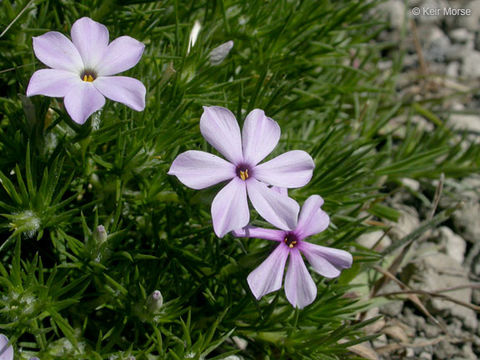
x,y
88,78
244,174
291,244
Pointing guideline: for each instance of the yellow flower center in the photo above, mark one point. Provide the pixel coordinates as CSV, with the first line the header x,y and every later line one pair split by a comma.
x,y
88,78
291,240
244,174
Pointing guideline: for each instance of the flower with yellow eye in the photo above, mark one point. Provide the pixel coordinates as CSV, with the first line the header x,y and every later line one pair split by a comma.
x,y
299,286
245,176
81,69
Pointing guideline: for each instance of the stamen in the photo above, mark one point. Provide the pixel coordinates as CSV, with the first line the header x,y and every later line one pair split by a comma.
x,y
244,174
244,171
88,78
291,240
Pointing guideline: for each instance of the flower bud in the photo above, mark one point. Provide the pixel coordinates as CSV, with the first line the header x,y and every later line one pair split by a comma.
x,y
100,235
154,301
219,54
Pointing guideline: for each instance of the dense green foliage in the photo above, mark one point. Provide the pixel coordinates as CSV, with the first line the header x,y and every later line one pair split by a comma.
x,y
311,65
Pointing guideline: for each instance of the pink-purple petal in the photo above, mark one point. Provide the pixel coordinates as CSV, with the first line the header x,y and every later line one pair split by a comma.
x,y
326,261
122,54
198,169
126,90
52,82
260,233
230,208
280,190
290,170
312,219
91,40
220,128
299,286
6,352
267,277
260,135
279,210
58,52
82,101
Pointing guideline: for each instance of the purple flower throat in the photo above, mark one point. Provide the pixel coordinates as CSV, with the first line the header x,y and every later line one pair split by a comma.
x,y
291,239
88,75
244,171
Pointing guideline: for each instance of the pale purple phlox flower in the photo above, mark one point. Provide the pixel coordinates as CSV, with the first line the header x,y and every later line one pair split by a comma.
x,y
245,176
81,69
300,288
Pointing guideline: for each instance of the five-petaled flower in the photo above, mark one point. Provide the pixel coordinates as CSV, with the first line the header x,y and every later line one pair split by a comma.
x,y
260,135
6,349
299,286
81,69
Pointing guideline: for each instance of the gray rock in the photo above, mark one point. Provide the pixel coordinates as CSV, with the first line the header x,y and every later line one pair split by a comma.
x,y
470,68
468,352
431,331
394,11
394,307
425,356
457,52
412,184
471,187
439,271
472,22
445,350
465,121
368,240
466,221
411,319
380,341
461,36
453,244
434,43
476,296
453,69
407,222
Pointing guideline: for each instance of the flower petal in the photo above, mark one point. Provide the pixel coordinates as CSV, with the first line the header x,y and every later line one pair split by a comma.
x,y
91,40
57,51
260,233
51,82
267,277
82,101
291,170
220,128
280,190
279,210
122,54
126,90
230,208
198,169
312,219
6,353
326,261
260,135
299,286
